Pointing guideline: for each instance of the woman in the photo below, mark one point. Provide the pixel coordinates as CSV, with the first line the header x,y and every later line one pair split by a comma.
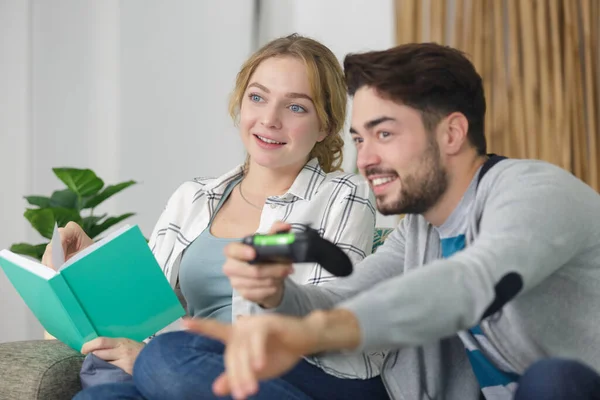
x,y
290,103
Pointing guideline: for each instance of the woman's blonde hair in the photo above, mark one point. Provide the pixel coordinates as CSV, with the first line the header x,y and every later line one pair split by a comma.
x,y
328,87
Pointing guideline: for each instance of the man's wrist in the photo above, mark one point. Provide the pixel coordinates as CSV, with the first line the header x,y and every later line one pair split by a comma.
x,y
273,301
335,330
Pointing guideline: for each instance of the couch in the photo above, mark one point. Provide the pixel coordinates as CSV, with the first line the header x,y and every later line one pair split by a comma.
x,y
49,369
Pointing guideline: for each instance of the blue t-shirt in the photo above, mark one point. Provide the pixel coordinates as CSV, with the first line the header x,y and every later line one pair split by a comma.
x,y
205,288
496,379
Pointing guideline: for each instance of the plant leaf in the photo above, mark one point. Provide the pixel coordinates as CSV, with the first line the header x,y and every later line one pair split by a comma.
x,y
98,229
42,220
63,215
64,198
83,182
35,251
40,201
108,191
88,223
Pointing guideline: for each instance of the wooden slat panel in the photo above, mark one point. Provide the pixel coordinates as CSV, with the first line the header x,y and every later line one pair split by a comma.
x,y
530,83
545,142
590,106
568,33
487,67
501,134
515,93
575,90
405,21
540,62
459,25
437,19
557,80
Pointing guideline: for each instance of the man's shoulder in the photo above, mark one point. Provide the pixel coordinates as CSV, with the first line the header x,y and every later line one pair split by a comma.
x,y
525,167
520,174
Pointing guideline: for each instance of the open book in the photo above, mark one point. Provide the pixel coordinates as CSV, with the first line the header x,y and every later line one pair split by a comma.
x,y
114,288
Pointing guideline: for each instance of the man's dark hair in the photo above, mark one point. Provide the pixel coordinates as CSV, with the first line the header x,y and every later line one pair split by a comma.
x,y
434,79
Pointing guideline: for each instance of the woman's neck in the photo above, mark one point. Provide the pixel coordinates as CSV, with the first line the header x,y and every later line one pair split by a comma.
x,y
261,182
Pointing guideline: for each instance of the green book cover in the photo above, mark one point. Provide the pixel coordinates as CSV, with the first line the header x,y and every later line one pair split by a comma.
x,y
114,288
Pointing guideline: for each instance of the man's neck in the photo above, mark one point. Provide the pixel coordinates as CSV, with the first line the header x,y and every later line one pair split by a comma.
x,y
458,182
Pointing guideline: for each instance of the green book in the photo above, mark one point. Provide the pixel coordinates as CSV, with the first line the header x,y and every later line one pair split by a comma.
x,y
114,288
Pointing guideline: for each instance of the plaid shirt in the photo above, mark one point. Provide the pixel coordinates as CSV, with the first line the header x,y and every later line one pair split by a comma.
x,y
340,205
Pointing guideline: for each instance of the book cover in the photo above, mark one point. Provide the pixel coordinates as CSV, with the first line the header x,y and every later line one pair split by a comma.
x,y
114,288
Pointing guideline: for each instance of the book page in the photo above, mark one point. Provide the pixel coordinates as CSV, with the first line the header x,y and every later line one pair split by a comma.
x,y
28,264
58,254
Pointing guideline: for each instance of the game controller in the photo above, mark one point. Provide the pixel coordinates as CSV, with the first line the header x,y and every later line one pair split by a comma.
x,y
299,247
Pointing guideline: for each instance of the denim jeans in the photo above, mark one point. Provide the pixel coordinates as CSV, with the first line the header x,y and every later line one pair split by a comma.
x,y
558,379
96,371
182,365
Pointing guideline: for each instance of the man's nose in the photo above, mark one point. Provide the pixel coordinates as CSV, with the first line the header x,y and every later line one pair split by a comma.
x,y
367,156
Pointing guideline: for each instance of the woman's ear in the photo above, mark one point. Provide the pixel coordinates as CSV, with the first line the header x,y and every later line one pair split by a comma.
x,y
322,136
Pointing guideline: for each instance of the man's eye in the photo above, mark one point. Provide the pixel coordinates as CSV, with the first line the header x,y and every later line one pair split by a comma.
x,y
383,134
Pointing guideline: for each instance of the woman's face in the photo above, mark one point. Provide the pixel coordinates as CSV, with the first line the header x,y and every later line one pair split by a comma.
x,y
278,120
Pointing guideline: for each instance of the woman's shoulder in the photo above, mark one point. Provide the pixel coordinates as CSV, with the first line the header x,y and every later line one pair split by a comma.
x,y
343,177
188,192
194,189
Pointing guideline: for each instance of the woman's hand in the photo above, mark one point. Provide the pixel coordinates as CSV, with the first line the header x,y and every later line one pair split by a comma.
x,y
260,283
73,240
120,352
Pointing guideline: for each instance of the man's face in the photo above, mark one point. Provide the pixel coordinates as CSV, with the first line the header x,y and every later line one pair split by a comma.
x,y
396,154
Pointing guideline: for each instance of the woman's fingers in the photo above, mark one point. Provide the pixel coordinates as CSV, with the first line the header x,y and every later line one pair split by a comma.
x,y
240,251
279,227
243,270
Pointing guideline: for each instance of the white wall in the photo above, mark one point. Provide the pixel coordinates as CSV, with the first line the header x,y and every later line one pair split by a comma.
x,y
16,321
133,89
342,25
137,89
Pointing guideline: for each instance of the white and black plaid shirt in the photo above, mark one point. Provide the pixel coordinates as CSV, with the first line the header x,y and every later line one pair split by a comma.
x,y
340,205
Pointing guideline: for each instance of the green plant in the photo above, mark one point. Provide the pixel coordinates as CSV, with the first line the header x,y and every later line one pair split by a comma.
x,y
84,192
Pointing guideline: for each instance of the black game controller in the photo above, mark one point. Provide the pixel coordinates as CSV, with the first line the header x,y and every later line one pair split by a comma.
x,y
300,247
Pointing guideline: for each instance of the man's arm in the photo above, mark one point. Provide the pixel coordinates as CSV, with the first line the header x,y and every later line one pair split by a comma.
x,y
525,235
387,262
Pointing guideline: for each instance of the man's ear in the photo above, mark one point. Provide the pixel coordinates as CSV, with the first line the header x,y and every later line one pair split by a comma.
x,y
455,130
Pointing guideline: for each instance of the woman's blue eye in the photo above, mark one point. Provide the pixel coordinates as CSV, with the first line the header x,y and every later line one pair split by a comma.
x,y
297,109
255,98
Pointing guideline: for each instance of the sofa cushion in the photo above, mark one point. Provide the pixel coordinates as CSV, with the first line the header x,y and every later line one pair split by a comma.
x,y
39,369
379,237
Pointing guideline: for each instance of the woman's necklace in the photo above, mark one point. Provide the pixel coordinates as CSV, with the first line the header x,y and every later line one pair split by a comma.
x,y
245,199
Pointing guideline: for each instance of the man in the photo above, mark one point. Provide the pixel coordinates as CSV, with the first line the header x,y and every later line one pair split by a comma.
x,y
489,285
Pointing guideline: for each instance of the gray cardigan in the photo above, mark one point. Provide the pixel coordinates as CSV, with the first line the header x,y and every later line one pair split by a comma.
x,y
532,264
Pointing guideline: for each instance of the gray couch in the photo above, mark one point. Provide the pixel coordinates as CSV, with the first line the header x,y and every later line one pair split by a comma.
x,y
39,369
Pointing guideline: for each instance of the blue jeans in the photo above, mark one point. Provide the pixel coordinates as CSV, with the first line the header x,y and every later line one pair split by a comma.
x,y
182,365
558,379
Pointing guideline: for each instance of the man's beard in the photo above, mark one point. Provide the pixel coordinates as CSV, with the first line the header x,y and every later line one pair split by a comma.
x,y
422,190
